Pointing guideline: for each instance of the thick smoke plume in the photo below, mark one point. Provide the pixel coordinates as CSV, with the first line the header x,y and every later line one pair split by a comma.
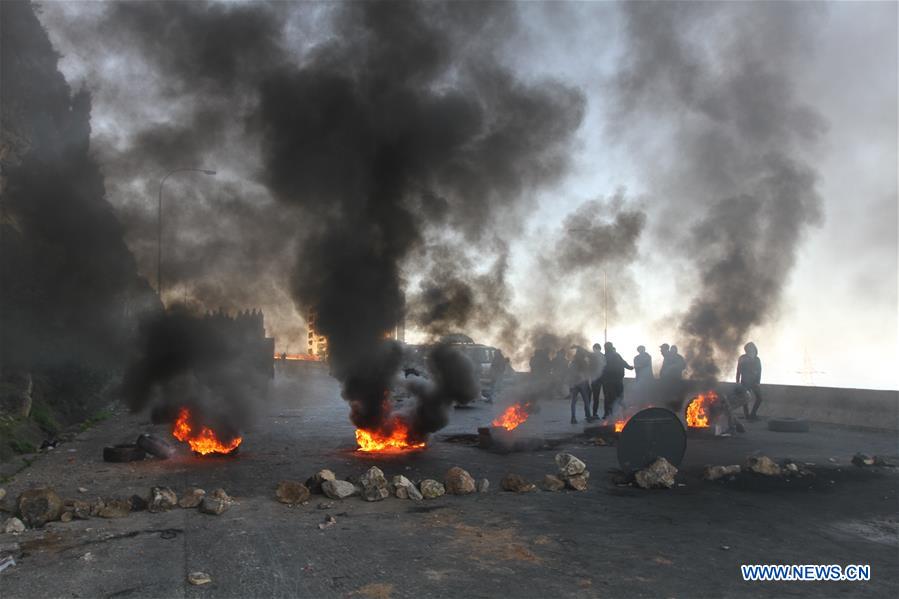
x,y
381,132
730,109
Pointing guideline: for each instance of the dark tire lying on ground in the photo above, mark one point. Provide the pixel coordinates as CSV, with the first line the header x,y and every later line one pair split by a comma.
x,y
123,453
788,425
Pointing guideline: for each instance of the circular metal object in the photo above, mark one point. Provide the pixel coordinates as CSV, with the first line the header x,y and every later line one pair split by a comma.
x,y
650,434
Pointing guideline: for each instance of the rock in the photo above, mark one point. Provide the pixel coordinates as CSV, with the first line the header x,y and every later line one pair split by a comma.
x,y
578,482
82,489
221,494
483,485
138,503
314,482
36,507
161,499
404,488
763,465
517,484
569,465
191,498
199,578
328,522
659,474
553,483
791,468
95,506
214,506
80,510
431,489
66,516
716,472
374,485
14,526
458,482
338,489
292,492
861,460
115,508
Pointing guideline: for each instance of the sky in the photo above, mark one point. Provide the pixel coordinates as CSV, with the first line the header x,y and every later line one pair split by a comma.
x,y
675,119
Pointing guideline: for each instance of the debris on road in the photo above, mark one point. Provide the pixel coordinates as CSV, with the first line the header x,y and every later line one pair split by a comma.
x,y
161,499
374,485
328,522
314,482
483,485
199,578
517,484
459,482
716,472
36,507
155,446
551,482
82,489
292,492
7,562
658,475
862,460
763,465
403,488
14,526
191,498
325,505
2,493
214,506
572,471
115,508
338,489
431,489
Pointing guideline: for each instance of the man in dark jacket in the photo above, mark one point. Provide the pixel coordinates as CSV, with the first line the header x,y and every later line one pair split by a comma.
x,y
597,366
749,374
613,378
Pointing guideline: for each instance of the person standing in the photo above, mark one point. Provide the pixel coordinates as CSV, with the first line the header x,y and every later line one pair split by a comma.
x,y
642,364
749,374
663,349
613,379
579,382
674,365
598,365
497,374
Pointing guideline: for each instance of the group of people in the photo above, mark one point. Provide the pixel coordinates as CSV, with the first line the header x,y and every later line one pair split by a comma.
x,y
591,374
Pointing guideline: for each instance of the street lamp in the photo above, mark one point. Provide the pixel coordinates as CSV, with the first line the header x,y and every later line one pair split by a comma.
x,y
159,223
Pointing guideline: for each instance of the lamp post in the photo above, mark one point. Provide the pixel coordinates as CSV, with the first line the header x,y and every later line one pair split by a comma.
x,y
159,223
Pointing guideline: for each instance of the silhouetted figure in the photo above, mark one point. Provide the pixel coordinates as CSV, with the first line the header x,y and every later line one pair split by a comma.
x,y
579,381
642,364
559,373
674,365
749,374
613,379
598,366
539,364
663,349
497,374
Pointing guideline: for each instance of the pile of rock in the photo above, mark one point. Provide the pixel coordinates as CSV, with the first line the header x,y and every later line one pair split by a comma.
x,y
36,507
759,465
862,460
374,486
572,471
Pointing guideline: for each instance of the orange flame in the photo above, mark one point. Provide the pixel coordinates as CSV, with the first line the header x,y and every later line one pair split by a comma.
x,y
393,439
203,442
300,357
512,416
619,425
698,409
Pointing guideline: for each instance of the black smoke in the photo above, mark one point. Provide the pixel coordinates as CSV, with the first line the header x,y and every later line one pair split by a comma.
x,y
381,128
736,194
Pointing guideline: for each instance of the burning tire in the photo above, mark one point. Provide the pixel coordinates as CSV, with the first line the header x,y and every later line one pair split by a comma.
x,y
788,425
123,453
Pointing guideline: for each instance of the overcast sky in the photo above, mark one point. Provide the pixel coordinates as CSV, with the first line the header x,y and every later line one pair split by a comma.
x,y
836,320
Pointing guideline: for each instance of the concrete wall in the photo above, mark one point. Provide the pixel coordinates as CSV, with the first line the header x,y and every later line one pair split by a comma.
x,y
851,407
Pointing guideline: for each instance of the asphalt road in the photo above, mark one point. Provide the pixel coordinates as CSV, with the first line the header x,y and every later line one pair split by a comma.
x,y
609,541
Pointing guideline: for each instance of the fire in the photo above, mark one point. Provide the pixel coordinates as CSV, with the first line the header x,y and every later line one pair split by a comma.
x,y
204,441
393,439
699,408
619,425
301,357
512,416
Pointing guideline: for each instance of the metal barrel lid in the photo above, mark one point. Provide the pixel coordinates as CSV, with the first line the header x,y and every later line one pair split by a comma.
x,y
649,434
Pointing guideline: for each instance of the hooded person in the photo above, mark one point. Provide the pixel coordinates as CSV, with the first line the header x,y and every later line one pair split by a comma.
x,y
642,364
613,379
749,375
673,366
